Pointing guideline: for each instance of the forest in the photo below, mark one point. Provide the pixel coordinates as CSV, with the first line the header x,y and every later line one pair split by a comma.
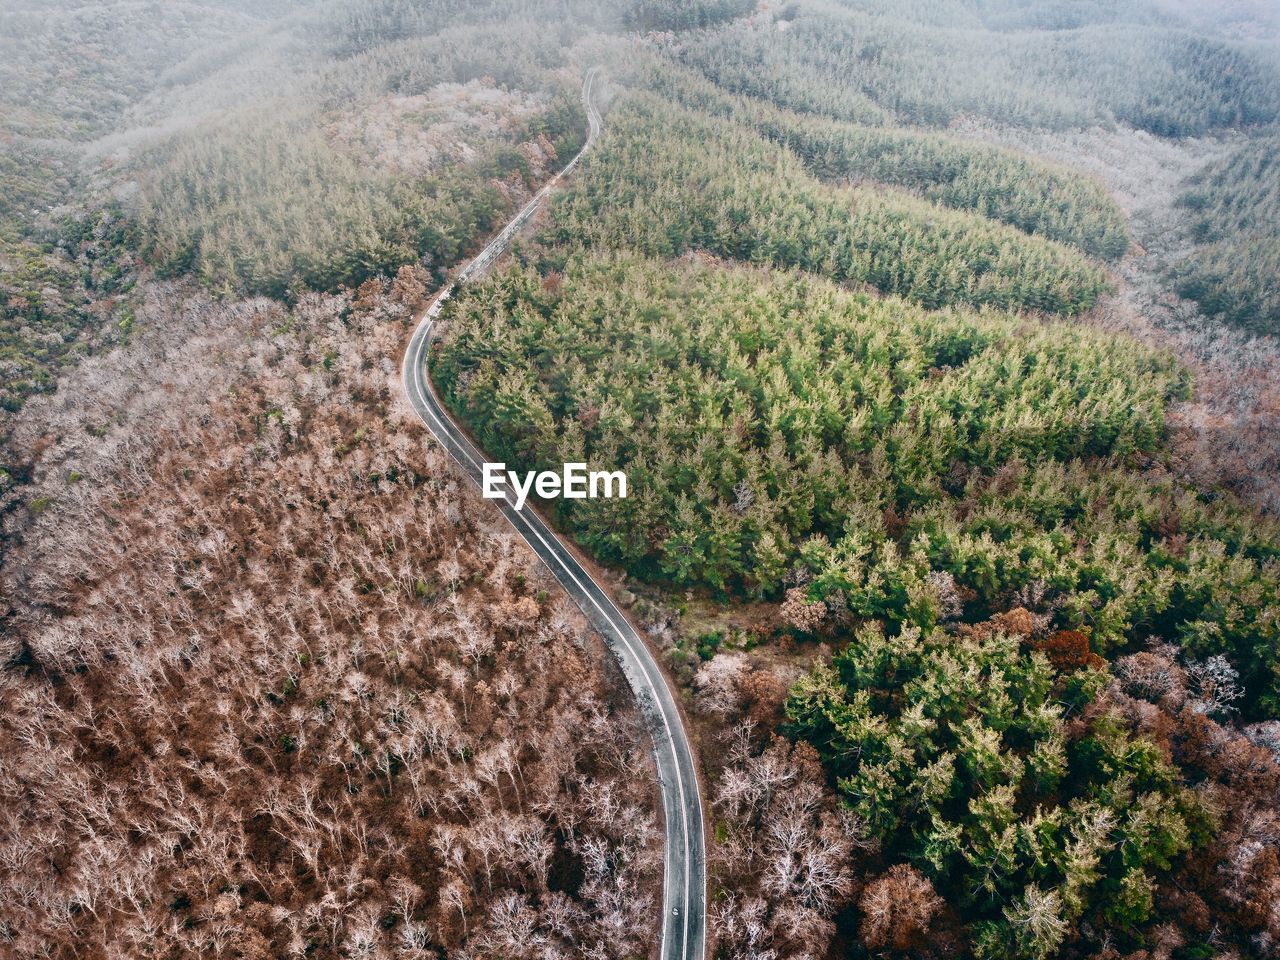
x,y
57,278
1048,707
927,63
937,342
332,224
719,188
1003,185
883,448
314,714
1236,209
937,477
766,379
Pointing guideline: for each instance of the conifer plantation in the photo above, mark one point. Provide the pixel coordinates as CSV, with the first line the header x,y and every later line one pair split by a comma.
x,y
1236,209
719,187
838,361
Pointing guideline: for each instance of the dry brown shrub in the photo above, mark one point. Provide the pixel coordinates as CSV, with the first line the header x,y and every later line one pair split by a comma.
x,y
801,613
1018,622
1069,650
898,908
764,694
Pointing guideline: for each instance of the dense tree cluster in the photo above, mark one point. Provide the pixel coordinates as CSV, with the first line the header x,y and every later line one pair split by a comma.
x,y
263,202
766,420
735,384
1118,554
222,157
61,294
785,855
1236,207
681,14
1223,436
220,120
107,56
1230,18
365,25
718,187
315,711
958,757
1004,185
970,758
1003,794
858,64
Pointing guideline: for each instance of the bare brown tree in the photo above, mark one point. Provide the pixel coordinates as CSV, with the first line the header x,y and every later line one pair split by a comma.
x,y
278,684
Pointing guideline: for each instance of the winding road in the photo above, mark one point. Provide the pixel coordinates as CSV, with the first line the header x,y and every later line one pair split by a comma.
x,y
684,886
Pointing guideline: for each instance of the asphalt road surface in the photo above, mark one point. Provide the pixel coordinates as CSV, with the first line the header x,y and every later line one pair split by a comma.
x,y
684,882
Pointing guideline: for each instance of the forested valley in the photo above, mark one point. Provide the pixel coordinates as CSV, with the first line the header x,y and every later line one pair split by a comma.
x,y
844,364
937,340
723,190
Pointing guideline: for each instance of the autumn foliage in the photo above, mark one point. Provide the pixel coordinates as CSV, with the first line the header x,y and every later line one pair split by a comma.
x,y
275,684
897,908
1069,650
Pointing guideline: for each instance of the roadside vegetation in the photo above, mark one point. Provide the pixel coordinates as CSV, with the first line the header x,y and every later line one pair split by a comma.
x,y
246,145
327,708
773,422
756,410
266,204
1049,710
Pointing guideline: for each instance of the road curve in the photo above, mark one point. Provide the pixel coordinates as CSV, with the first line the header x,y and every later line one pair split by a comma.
x,y
684,886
